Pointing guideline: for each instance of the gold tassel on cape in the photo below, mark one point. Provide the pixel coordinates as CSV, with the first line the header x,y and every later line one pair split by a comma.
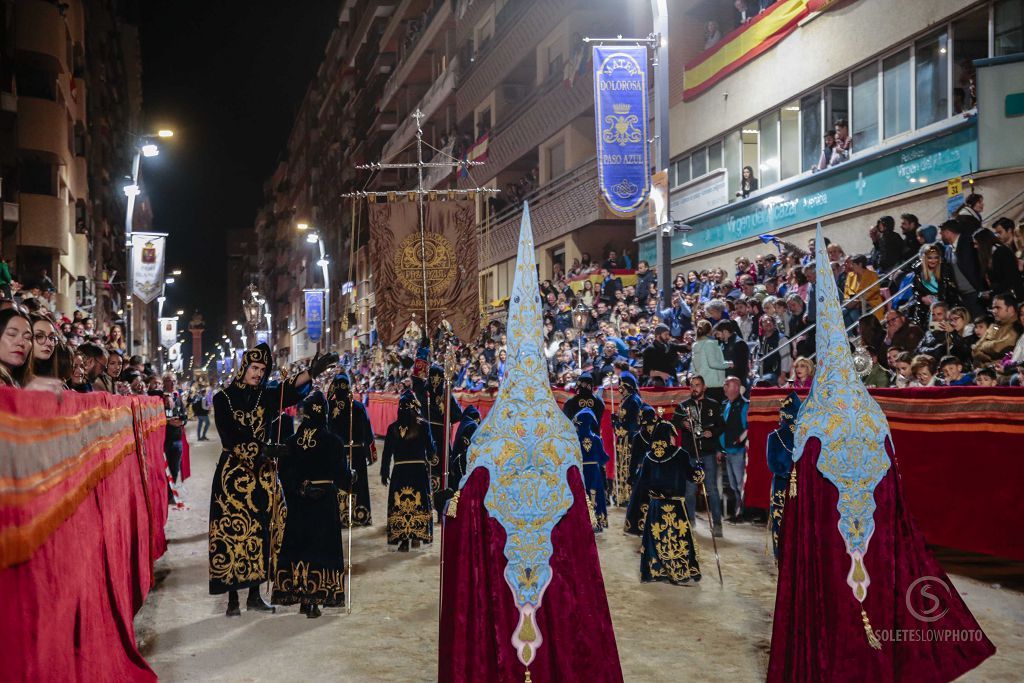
x,y
792,482
453,505
872,639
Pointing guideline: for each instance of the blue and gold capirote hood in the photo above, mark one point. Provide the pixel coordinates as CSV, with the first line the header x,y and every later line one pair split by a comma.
x,y
528,446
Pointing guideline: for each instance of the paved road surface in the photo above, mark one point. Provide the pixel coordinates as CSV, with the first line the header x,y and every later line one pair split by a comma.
x,y
664,633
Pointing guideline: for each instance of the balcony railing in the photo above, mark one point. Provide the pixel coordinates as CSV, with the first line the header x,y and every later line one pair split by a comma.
x,y
537,118
558,208
428,104
410,54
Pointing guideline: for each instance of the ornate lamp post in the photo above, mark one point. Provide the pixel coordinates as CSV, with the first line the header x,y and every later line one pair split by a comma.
x,y
253,311
579,318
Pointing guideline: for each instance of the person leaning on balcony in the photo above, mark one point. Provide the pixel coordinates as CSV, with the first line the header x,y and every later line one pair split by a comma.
x,y
827,148
712,34
844,144
748,182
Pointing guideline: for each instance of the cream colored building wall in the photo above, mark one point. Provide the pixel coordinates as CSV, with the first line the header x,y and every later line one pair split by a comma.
x,y
830,44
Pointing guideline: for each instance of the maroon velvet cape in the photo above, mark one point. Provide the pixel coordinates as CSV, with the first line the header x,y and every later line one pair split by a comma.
x,y
818,634
478,612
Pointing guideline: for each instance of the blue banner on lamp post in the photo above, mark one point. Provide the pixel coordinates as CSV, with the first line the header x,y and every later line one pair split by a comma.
x,y
620,117
314,314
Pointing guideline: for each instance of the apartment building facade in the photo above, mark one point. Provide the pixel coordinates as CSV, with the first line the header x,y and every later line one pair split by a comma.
x,y
70,97
922,88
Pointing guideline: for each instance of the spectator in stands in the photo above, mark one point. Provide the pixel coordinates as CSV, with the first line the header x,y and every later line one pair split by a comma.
x,y
612,261
922,368
587,295
610,284
963,256
901,365
1003,228
708,361
115,366
999,269
985,377
888,245
827,148
871,331
933,281
898,332
941,340
953,372
1000,338
803,373
861,291
843,149
661,358
909,225
735,351
16,348
604,365
45,339
969,215
645,277
773,366
877,377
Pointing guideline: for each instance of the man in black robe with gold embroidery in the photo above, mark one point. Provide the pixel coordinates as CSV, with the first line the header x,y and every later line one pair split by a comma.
x,y
431,395
349,414
409,446
246,493
667,548
585,398
315,478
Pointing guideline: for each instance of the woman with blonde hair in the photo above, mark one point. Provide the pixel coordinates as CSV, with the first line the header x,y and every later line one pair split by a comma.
x,y
803,373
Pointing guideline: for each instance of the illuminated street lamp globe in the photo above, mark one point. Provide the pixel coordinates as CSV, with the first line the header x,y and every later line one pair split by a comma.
x,y
251,308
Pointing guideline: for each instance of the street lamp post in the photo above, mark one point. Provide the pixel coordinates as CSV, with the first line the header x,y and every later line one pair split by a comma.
x,y
251,308
144,147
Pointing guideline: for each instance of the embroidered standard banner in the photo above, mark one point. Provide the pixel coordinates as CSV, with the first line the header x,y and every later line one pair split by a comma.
x,y
168,332
620,117
444,262
314,314
148,264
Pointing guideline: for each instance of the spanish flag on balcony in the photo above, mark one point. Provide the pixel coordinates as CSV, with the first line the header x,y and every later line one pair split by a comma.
x,y
746,43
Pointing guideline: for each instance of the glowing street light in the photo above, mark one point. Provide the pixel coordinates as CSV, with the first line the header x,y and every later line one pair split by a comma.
x,y
302,227
150,150
176,271
165,133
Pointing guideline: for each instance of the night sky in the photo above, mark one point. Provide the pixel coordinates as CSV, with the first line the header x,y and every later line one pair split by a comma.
x,y
228,77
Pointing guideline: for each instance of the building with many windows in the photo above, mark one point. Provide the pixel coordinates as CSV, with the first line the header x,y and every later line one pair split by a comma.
x,y
920,106
70,97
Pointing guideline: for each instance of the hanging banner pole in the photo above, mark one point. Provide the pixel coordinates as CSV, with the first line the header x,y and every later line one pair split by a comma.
x,y
314,314
621,120
148,249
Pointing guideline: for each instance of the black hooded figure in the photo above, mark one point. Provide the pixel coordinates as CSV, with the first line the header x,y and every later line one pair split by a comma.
x,y
345,411
780,462
410,446
315,477
636,511
463,438
246,495
431,394
584,398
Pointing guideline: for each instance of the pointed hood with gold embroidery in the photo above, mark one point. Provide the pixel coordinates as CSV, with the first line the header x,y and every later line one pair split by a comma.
x,y
848,422
528,446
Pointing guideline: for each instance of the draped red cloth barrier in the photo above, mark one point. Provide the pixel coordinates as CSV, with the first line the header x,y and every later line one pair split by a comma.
x,y
958,449
83,502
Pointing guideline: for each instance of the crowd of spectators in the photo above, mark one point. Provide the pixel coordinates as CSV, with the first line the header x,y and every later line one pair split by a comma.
x,y
953,317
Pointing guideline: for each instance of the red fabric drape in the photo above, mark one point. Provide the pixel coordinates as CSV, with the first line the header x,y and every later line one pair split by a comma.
x,y
83,502
959,451
818,633
478,614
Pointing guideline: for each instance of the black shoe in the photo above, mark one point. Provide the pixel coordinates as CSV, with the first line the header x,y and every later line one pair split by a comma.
x,y
255,603
313,612
304,608
403,547
717,531
415,544
233,610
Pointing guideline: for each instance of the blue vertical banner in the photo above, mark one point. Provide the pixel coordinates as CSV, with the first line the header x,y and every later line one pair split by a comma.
x,y
262,337
314,314
620,117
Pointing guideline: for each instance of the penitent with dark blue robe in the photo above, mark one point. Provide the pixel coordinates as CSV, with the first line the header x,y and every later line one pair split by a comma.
x,y
409,446
315,478
668,551
594,459
468,426
780,462
636,511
